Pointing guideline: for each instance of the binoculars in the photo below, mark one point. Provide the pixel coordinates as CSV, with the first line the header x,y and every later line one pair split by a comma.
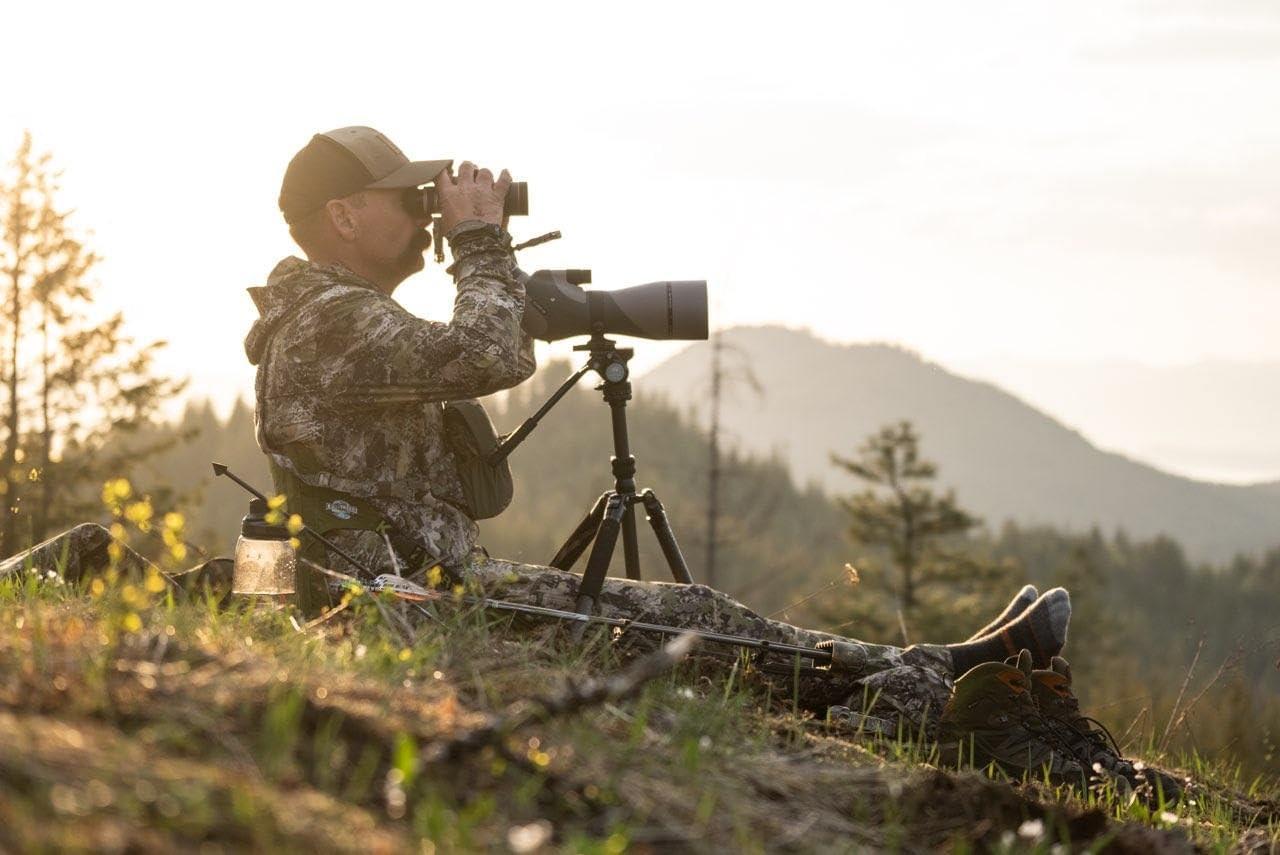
x,y
425,201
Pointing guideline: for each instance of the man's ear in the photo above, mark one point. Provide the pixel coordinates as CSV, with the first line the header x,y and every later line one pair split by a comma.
x,y
342,219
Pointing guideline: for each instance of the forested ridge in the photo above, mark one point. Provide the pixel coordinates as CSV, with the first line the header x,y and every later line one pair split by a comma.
x,y
1006,458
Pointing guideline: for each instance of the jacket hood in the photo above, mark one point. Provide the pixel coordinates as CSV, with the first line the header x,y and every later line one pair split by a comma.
x,y
291,282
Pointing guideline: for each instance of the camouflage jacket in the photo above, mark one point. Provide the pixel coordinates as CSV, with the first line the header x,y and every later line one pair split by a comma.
x,y
349,383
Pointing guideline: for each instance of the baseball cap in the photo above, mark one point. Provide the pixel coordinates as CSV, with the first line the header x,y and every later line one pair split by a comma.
x,y
340,162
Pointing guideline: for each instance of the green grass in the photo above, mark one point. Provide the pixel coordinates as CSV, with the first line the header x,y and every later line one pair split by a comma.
x,y
165,721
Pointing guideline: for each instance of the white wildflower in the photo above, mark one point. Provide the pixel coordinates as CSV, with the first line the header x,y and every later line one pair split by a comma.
x,y
527,838
1032,829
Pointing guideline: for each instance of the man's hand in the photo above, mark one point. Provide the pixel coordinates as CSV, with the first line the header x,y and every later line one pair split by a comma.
x,y
473,195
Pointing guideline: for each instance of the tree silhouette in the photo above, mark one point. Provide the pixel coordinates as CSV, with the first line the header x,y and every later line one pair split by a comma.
x,y
934,582
77,389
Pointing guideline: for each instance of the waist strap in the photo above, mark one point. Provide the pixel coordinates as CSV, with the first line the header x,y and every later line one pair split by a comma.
x,y
325,510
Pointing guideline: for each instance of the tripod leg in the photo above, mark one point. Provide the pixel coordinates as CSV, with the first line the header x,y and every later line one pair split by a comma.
x,y
601,554
666,537
577,542
630,543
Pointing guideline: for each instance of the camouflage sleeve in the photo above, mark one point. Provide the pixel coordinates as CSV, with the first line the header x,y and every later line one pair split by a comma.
x,y
526,362
484,261
401,358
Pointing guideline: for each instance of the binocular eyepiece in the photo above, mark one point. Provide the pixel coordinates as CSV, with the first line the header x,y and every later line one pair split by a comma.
x,y
422,202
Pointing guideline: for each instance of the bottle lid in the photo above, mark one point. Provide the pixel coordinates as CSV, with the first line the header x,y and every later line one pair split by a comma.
x,y
255,523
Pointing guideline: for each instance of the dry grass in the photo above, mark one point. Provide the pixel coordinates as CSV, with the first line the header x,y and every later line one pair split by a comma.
x,y
198,726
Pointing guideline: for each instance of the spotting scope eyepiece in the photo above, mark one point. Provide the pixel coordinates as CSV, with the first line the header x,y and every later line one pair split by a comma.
x,y
556,307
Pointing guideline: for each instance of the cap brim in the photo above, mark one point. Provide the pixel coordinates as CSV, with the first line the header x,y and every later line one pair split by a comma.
x,y
413,174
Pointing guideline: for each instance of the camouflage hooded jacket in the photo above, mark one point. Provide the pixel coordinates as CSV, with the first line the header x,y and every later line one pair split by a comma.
x,y
349,383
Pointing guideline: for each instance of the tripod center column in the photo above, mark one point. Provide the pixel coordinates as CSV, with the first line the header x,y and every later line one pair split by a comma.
x,y
616,394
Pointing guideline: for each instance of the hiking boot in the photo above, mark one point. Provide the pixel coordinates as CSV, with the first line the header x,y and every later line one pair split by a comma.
x,y
1090,741
992,718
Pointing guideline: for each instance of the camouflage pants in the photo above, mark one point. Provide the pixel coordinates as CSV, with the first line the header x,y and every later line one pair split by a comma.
x,y
907,685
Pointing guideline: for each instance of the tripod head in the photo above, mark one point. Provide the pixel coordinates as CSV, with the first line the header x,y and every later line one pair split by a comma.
x,y
607,359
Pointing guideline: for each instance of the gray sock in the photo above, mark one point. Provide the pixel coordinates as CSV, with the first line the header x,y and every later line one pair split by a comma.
x,y
1016,606
1041,628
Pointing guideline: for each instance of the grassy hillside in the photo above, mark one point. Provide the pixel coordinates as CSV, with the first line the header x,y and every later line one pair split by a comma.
x,y
1006,459
190,726
1144,612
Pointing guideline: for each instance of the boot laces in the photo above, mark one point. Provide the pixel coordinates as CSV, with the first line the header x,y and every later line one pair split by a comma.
x,y
1041,726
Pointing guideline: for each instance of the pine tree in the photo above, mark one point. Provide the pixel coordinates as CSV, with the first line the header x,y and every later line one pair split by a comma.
x,y
77,390
933,582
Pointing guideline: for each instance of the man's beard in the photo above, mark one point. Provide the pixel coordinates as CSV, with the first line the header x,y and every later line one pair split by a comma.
x,y
411,258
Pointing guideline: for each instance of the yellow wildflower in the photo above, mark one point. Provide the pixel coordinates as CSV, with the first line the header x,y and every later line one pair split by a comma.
x,y
140,513
133,597
116,491
295,523
131,622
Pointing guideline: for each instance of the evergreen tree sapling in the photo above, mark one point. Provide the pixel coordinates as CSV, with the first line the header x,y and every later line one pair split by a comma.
x,y
921,578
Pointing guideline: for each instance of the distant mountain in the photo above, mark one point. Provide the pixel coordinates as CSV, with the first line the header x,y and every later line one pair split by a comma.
x,y
1205,419
1004,458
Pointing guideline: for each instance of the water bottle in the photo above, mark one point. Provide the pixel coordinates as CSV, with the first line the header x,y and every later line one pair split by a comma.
x,y
265,564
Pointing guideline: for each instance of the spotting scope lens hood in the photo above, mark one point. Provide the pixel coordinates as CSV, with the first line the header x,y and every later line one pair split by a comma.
x,y
556,307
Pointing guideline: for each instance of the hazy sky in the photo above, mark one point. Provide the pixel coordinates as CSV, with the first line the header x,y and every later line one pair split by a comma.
x,y
1077,181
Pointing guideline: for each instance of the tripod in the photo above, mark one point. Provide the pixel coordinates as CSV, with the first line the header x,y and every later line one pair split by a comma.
x,y
614,511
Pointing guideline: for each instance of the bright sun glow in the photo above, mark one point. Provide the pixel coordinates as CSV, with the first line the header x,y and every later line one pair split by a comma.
x,y
979,182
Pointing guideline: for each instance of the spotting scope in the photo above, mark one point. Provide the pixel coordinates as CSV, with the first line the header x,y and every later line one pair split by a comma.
x,y
557,306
